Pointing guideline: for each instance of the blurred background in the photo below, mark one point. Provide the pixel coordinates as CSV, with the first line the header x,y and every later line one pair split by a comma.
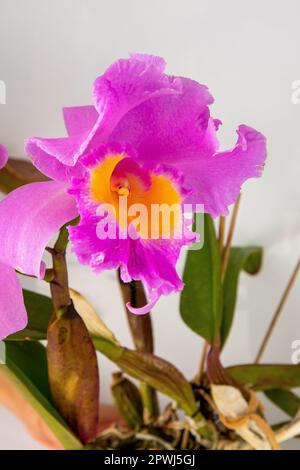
x,y
248,53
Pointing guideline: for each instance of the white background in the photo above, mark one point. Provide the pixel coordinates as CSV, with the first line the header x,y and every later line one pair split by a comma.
x,y
248,54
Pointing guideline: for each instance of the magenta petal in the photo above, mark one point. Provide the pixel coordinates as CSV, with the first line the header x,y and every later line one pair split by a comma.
x,y
29,217
89,249
145,309
158,62
172,128
13,316
129,82
125,84
154,263
145,264
3,156
80,119
217,179
48,164
56,158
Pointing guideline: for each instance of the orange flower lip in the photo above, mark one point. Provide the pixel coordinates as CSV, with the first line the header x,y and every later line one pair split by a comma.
x,y
119,176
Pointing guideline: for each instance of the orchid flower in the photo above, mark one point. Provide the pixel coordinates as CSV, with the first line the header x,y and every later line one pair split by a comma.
x,y
149,138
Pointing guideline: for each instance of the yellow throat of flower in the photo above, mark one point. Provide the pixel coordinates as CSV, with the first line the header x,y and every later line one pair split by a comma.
x,y
161,198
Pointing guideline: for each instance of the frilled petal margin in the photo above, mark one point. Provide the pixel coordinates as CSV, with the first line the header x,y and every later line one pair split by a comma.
x,y
129,82
171,128
145,264
219,178
13,315
151,261
3,156
44,155
125,84
29,217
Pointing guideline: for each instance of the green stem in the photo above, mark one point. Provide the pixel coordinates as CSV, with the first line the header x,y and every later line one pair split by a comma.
x,y
226,250
59,285
58,275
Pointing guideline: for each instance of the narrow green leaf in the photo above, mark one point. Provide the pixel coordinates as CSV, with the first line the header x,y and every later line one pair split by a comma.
x,y
39,309
286,400
152,370
26,368
247,258
161,375
201,299
110,349
267,376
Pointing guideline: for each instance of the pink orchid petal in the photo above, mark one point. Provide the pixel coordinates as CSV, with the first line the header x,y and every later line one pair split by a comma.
x,y
29,217
124,85
145,309
56,157
3,156
167,121
80,119
172,128
13,316
218,178
50,165
128,83
145,264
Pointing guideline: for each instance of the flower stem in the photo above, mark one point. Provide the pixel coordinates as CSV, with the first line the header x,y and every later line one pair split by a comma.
x,y
278,312
226,251
58,275
142,334
222,222
199,375
59,284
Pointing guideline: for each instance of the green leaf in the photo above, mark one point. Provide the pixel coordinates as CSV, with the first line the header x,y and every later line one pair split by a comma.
x,y
26,368
247,258
267,376
161,375
151,369
39,309
286,400
201,299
